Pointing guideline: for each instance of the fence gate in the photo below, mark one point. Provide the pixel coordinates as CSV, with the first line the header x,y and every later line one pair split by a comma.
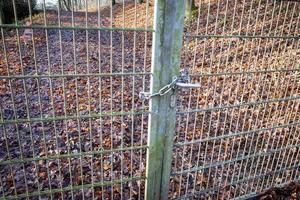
x,y
238,134
94,104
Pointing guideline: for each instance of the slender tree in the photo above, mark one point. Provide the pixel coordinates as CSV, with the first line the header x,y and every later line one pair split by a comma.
x,y
66,4
1,12
113,2
190,8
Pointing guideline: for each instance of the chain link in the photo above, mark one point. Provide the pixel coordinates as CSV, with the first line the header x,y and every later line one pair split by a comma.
x,y
163,91
166,89
181,81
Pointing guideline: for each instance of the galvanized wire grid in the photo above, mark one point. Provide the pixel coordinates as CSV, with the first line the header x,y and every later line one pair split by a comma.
x,y
71,123
72,126
239,133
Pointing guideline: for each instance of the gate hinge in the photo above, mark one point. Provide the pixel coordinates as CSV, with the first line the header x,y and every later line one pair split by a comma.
x,y
183,81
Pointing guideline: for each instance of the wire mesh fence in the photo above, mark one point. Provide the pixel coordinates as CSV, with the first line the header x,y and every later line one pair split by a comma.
x,y
72,125
239,133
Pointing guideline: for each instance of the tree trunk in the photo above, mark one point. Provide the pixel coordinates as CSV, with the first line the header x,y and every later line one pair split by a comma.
x,y
68,5
190,8
1,12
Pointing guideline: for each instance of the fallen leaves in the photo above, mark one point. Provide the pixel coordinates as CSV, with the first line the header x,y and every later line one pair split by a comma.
x,y
52,138
42,174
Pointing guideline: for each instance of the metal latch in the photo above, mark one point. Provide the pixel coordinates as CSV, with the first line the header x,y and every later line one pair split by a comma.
x,y
188,85
183,81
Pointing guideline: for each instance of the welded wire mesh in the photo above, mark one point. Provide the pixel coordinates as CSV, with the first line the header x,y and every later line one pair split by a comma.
x,y
238,134
71,123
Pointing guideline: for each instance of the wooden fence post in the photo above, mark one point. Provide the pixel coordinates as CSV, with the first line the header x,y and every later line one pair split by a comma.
x,y
167,43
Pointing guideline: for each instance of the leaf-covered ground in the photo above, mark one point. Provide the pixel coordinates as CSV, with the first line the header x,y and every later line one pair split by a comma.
x,y
263,106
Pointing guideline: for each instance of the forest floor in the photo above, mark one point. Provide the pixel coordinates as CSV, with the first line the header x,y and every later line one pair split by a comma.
x,y
246,124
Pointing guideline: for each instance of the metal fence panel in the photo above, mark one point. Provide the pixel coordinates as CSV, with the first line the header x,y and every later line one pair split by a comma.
x,y
239,133
71,123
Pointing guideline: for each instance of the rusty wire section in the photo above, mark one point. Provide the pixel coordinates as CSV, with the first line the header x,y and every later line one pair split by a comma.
x,y
71,123
239,133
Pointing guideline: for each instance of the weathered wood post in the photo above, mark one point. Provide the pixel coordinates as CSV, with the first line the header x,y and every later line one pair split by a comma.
x,y
167,43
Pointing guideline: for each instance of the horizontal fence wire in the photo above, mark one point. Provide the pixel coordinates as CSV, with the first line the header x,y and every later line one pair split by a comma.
x,y
297,37
75,117
61,156
71,75
238,134
245,72
240,105
234,134
17,26
71,123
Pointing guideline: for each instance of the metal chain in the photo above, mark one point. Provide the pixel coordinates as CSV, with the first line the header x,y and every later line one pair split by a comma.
x,y
182,81
163,91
